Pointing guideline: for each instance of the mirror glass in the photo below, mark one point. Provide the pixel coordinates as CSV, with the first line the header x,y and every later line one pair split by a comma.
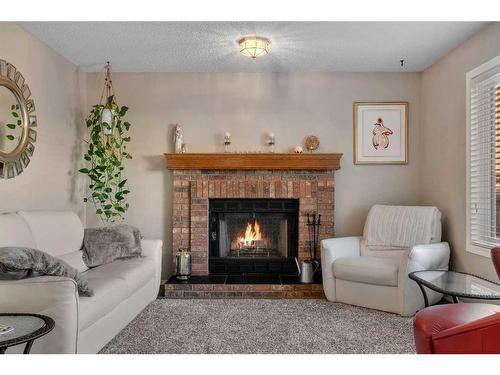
x,y
11,127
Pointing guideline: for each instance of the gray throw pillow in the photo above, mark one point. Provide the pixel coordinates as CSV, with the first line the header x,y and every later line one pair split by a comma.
x,y
106,244
22,262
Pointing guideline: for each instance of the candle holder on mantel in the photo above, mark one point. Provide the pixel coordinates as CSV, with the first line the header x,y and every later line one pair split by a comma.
x,y
271,142
227,142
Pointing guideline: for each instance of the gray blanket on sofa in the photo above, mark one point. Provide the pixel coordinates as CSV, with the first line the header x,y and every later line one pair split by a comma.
x,y
106,244
22,262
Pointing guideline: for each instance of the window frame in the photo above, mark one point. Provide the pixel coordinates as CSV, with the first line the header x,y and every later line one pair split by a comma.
x,y
491,64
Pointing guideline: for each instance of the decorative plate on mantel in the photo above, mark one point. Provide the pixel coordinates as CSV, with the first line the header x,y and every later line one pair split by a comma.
x,y
249,161
311,143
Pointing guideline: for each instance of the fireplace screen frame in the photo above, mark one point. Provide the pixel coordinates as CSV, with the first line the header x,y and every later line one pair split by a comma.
x,y
256,207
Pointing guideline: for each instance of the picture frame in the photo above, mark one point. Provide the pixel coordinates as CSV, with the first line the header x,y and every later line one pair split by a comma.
x,y
380,132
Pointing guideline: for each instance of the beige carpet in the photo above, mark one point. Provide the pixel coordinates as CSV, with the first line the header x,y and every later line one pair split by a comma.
x,y
262,326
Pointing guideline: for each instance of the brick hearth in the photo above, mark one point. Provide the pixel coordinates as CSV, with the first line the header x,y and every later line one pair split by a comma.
x,y
175,290
193,188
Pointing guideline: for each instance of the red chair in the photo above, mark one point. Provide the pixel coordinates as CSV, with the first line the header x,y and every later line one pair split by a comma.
x,y
463,328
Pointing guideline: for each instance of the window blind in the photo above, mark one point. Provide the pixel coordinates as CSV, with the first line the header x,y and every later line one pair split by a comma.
x,y
484,159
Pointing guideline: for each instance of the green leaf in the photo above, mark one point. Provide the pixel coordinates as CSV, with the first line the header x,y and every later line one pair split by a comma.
x,y
127,125
10,126
12,107
122,183
10,137
98,211
19,122
84,170
123,111
15,114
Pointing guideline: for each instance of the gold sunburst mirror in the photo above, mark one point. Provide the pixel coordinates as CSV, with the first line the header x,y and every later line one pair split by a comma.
x,y
17,120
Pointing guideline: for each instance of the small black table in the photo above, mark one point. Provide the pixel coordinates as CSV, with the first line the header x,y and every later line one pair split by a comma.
x,y
24,328
456,284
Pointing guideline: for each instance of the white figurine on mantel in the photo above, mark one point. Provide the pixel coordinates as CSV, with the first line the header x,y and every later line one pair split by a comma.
x,y
299,150
178,139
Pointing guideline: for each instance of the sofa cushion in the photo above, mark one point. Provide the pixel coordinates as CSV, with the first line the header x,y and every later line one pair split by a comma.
x,y
55,232
14,231
368,270
133,273
112,284
108,293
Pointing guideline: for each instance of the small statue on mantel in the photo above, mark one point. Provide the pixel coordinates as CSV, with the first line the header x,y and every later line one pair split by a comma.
x,y
178,139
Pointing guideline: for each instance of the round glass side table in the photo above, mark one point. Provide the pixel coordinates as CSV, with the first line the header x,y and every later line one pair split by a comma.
x,y
18,329
455,284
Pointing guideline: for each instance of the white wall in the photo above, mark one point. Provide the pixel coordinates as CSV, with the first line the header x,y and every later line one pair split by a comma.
x,y
443,141
250,106
49,181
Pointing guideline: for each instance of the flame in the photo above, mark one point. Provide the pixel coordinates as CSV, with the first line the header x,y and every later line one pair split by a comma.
x,y
252,234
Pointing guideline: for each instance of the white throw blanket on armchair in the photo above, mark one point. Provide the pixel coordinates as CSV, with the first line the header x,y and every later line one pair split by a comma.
x,y
401,226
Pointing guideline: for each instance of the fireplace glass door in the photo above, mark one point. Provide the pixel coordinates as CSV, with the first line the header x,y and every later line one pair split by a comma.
x,y
253,235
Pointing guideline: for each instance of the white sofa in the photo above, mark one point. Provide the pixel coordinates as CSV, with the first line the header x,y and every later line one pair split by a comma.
x,y
377,277
82,324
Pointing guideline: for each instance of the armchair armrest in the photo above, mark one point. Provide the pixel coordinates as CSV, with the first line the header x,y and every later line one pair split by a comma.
x,y
331,250
480,336
435,256
56,297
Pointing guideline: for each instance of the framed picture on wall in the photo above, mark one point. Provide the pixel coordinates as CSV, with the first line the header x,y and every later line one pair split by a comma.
x,y
380,132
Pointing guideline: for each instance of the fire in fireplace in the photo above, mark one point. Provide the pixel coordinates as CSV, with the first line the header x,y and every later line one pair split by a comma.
x,y
252,241
253,235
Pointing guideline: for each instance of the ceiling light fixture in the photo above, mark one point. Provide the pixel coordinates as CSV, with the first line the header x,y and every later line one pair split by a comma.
x,y
254,46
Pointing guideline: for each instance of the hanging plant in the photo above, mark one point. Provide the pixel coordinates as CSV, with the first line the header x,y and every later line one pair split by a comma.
x,y
106,151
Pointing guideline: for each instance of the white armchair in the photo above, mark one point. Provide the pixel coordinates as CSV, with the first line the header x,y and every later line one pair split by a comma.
x,y
358,273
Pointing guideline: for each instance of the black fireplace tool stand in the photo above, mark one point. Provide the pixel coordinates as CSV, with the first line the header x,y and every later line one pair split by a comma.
x,y
313,224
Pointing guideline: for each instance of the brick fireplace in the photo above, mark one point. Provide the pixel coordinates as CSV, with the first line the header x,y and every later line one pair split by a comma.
x,y
197,178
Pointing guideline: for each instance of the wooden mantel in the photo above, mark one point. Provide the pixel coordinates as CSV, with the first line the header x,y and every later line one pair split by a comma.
x,y
249,161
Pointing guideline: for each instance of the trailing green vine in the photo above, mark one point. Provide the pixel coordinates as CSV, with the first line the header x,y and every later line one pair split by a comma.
x,y
106,151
